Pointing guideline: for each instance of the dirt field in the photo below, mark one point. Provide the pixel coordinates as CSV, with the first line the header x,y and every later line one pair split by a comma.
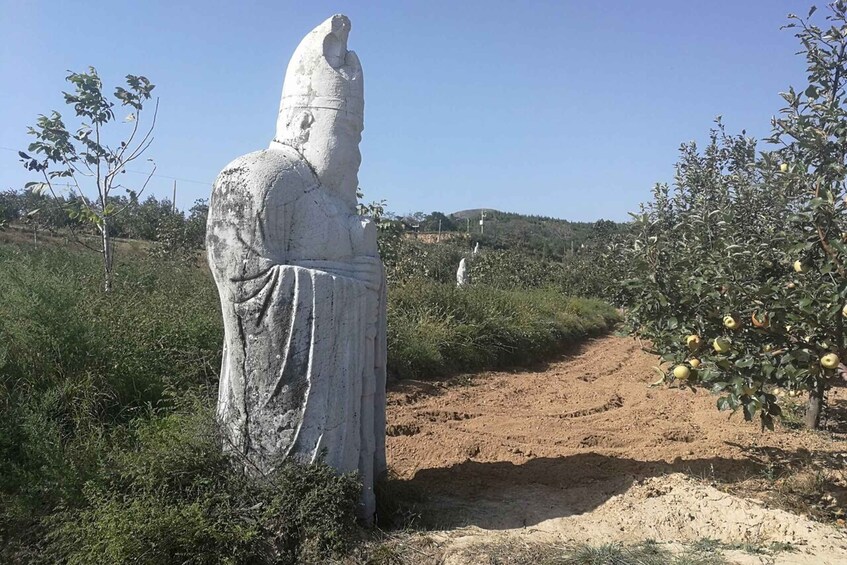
x,y
584,450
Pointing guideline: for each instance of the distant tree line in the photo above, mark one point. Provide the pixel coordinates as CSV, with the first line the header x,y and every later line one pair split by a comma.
x,y
176,231
541,236
150,219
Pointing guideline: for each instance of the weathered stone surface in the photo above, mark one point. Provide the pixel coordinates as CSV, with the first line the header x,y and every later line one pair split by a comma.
x,y
301,284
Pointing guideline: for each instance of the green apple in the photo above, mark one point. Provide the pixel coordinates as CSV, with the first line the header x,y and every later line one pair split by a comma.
x,y
721,344
693,341
681,372
830,361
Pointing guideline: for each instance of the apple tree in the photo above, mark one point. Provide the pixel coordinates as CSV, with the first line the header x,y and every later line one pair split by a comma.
x,y
738,275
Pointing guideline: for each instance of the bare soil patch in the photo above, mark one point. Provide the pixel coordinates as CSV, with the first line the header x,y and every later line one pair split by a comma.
x,y
584,450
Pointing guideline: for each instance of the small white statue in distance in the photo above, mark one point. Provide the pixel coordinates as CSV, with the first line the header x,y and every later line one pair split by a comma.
x,y
301,284
462,275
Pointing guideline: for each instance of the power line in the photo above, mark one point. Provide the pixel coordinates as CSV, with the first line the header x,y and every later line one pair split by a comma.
x,y
172,178
142,172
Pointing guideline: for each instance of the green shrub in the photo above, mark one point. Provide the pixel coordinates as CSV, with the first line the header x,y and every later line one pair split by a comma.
x,y
170,494
408,259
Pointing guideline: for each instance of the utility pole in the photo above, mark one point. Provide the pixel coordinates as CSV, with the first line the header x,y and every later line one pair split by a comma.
x,y
438,239
482,223
173,202
469,224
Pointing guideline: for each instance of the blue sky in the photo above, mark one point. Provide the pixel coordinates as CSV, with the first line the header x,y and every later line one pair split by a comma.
x,y
569,109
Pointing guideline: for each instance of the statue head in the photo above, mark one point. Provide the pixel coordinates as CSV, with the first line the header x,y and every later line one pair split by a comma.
x,y
321,113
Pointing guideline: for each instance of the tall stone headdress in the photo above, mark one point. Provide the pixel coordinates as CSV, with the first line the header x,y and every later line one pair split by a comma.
x,y
322,73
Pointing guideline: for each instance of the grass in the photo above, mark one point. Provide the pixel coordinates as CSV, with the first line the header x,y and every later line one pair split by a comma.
x,y
406,550
647,553
706,545
808,483
108,446
438,329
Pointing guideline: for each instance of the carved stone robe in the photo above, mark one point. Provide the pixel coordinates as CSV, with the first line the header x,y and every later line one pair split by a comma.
x,y
303,373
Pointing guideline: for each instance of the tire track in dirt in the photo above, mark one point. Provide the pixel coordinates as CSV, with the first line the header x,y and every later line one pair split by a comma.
x,y
596,398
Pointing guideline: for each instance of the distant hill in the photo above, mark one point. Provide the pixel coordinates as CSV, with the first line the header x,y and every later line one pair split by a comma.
x,y
542,235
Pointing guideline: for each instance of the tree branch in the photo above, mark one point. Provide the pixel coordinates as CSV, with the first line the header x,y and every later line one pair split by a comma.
x,y
140,192
131,135
141,147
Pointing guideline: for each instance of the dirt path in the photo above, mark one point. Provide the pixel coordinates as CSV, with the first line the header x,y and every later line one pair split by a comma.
x,y
584,449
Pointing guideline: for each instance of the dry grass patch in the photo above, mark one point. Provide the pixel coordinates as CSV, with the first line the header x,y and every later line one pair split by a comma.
x,y
517,551
396,548
809,483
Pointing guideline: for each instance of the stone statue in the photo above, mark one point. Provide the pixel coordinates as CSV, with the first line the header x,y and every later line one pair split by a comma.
x,y
462,275
301,284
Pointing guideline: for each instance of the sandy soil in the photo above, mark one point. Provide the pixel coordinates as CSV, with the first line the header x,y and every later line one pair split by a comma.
x,y
583,449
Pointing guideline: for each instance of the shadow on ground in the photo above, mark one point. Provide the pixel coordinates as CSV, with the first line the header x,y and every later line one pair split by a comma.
x,y
836,417
503,495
